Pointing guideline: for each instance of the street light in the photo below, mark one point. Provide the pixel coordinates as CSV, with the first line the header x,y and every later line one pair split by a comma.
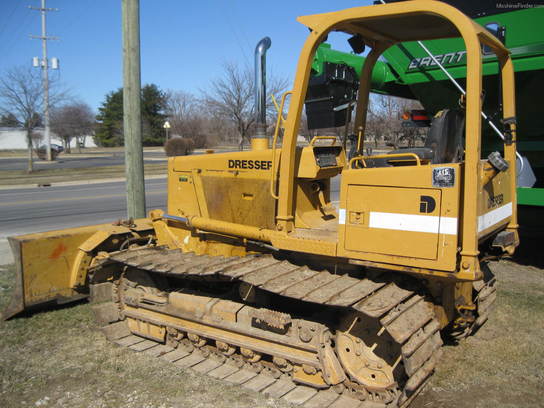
x,y
166,127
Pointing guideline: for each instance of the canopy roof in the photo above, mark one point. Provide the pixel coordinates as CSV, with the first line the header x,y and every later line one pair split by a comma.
x,y
399,22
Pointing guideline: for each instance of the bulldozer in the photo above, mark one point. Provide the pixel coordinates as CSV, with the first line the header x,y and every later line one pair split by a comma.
x,y
254,276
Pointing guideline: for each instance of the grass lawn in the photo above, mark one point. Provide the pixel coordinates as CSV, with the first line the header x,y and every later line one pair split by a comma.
x,y
49,176
57,358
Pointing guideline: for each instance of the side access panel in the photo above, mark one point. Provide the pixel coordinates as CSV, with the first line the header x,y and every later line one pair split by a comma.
x,y
381,220
401,215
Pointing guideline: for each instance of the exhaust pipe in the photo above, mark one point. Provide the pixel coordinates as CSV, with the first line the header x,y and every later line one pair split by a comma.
x,y
259,141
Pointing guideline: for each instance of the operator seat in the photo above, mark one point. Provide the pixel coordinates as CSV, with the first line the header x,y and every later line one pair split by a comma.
x,y
444,142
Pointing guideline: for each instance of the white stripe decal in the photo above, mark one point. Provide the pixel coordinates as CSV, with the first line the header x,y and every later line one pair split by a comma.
x,y
415,223
341,216
493,217
448,225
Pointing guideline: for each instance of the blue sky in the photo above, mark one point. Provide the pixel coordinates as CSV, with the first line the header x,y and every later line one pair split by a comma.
x,y
183,43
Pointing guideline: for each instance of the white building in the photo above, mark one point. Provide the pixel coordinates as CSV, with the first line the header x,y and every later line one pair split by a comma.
x,y
15,138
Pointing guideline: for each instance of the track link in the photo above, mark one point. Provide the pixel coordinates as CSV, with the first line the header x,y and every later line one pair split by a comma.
x,y
484,294
393,302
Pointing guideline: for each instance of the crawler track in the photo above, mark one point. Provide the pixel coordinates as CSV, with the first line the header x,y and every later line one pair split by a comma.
x,y
484,294
369,340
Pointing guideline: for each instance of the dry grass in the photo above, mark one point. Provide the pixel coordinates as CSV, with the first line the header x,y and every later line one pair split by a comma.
x,y
48,176
503,364
58,359
75,152
13,153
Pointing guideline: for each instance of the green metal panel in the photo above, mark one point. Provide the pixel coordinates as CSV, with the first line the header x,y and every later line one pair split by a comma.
x,y
531,196
401,74
524,39
380,75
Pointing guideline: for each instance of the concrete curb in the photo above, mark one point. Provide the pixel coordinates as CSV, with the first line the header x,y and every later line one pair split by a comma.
x,y
77,156
5,252
76,183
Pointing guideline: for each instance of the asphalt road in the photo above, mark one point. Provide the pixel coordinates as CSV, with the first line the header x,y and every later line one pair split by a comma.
x,y
38,209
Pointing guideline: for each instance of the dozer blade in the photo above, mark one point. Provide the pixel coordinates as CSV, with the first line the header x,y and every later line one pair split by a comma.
x,y
51,267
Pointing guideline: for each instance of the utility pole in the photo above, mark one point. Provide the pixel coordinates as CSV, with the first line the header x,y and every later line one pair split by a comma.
x,y
45,66
132,123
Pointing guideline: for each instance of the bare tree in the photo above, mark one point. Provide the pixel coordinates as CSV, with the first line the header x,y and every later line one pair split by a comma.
x,y
21,95
73,120
219,129
185,116
384,119
180,104
232,97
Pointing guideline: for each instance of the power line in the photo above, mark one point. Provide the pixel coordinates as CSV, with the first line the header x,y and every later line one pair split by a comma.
x,y
236,36
8,19
10,42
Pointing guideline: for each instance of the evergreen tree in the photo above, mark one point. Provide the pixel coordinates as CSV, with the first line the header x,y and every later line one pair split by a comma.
x,y
109,131
9,120
153,115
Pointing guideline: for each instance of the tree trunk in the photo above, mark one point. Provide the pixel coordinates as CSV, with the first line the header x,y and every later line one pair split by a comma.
x,y
67,145
30,167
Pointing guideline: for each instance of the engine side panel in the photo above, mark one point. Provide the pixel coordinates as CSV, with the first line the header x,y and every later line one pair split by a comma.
x,y
232,187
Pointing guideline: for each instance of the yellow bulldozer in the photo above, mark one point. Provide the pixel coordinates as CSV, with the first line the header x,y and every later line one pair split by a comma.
x,y
254,276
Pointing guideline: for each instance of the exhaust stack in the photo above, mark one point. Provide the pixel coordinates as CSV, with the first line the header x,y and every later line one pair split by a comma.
x,y
259,141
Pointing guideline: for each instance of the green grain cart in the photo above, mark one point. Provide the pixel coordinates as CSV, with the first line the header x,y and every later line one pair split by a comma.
x,y
409,71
